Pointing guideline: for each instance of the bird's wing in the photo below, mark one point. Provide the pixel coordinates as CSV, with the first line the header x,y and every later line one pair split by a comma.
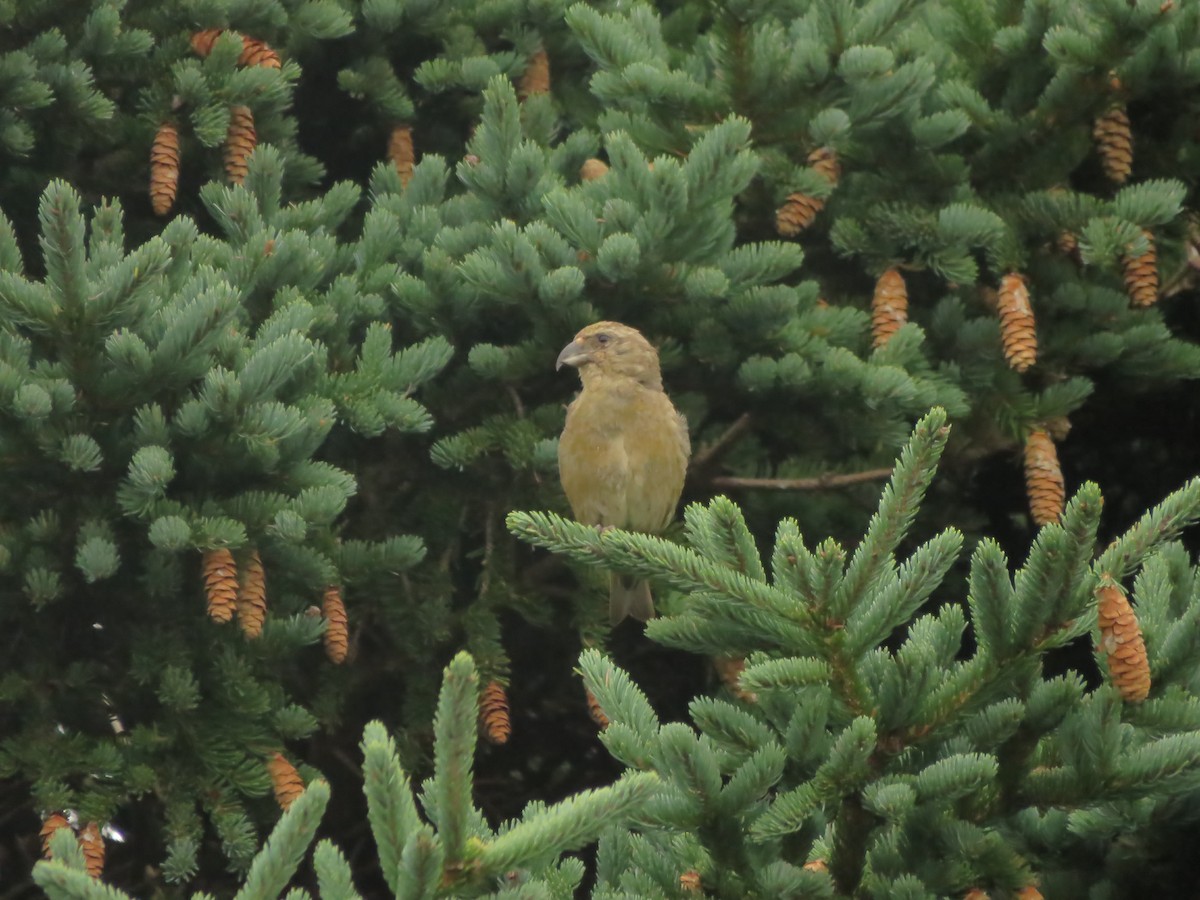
x,y
657,446
592,463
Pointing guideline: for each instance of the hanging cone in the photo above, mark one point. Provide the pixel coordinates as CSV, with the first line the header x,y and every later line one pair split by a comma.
x,y
493,713
889,306
257,53
1030,892
202,41
730,669
797,213
1068,244
252,598
400,152
536,78
593,169
1121,641
1018,331
1043,478
92,845
977,894
1058,427
254,52
52,823
240,141
220,584
1114,143
164,168
1141,275
825,160
690,882
337,634
285,780
595,711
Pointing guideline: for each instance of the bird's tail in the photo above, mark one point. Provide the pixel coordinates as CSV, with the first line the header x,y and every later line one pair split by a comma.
x,y
629,596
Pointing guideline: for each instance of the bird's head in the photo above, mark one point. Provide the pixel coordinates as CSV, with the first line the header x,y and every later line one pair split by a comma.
x,y
612,349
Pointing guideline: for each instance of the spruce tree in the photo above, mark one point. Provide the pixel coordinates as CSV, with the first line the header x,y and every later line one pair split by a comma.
x,y
281,287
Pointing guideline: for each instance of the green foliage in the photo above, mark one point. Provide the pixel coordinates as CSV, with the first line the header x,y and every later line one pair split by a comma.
x,y
348,369
418,859
874,724
155,411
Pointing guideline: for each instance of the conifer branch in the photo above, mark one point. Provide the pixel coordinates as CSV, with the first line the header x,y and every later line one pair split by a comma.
x,y
64,250
845,769
620,699
851,832
391,809
897,508
454,754
647,556
63,883
990,598
1051,588
568,824
1161,524
334,878
279,858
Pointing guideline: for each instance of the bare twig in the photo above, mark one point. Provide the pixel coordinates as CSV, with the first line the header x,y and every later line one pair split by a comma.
x,y
819,483
714,451
489,545
516,399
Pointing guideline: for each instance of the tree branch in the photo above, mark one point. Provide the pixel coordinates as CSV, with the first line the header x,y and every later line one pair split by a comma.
x,y
826,482
708,455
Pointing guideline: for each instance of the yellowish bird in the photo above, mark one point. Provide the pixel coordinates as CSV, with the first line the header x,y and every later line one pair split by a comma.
x,y
624,449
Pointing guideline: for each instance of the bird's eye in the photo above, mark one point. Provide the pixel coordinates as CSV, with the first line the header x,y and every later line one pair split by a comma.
x,y
602,339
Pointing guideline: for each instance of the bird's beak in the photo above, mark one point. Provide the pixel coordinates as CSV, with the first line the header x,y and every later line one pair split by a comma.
x,y
572,355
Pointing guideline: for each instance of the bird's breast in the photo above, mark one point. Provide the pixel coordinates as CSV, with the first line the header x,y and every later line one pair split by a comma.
x,y
622,458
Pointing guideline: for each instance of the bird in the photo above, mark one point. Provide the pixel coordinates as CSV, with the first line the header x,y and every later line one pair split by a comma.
x,y
624,448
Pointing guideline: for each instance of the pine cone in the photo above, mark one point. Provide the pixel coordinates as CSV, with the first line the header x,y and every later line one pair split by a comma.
x,y
493,713
164,168
1141,275
1030,892
536,78
254,52
825,160
797,213
730,669
337,633
593,169
817,865
240,141
889,306
285,780
1121,641
53,822
690,882
595,711
92,844
1058,427
252,598
1043,478
202,41
1114,143
400,152
1068,244
257,53
220,584
1018,331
